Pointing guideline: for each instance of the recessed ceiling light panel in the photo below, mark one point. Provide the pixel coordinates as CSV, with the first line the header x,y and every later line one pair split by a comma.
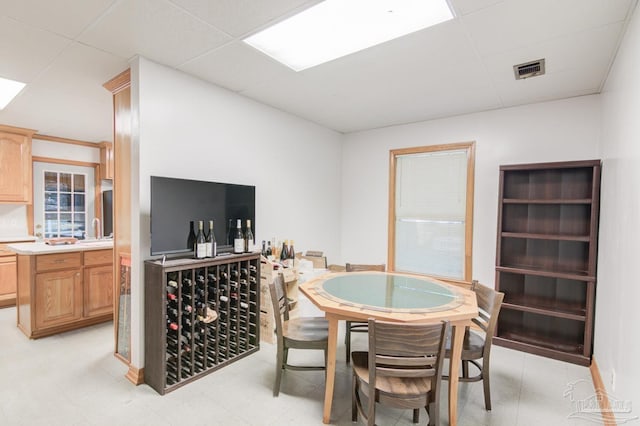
x,y
9,89
336,28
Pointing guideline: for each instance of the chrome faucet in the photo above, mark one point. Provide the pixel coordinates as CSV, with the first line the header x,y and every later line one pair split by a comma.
x,y
96,224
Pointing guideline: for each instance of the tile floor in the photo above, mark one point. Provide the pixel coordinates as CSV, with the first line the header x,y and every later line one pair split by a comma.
x,y
73,379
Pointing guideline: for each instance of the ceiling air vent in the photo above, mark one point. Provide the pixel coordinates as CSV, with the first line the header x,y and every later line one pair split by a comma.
x,y
529,69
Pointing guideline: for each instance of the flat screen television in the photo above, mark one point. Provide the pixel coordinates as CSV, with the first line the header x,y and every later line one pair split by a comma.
x,y
177,202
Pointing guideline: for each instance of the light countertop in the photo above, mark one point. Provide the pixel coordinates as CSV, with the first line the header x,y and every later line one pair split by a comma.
x,y
42,248
15,238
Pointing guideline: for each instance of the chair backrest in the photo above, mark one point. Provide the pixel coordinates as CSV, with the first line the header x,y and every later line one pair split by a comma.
x,y
489,303
279,302
355,267
406,350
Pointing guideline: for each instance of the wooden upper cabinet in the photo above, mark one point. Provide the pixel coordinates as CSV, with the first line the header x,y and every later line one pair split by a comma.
x,y
15,163
106,160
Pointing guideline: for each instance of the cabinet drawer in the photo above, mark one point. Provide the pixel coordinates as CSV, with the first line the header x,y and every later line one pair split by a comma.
x,y
98,257
49,262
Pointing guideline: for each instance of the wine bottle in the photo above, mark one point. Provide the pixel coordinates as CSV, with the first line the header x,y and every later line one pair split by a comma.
x,y
269,250
264,249
191,239
248,238
283,252
230,232
171,325
292,251
212,246
238,240
201,244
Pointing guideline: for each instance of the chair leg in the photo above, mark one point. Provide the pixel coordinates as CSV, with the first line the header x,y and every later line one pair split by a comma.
x,y
354,408
434,414
347,341
371,410
325,364
416,415
465,369
487,385
279,367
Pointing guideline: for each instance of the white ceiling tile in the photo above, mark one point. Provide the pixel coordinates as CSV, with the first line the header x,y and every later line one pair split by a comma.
x,y
587,55
238,17
66,103
519,23
97,68
236,66
545,88
25,51
429,67
64,17
464,7
384,86
155,29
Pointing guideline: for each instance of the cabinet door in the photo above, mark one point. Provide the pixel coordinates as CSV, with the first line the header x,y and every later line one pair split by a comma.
x,y
8,280
58,298
15,163
98,290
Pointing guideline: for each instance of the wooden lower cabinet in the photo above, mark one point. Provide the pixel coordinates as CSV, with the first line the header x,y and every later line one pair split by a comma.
x,y
7,280
64,291
8,275
58,298
98,291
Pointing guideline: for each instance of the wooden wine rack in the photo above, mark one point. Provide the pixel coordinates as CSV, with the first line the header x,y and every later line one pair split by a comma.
x,y
182,343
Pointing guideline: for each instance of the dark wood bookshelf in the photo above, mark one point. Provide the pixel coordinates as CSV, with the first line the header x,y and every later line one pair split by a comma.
x,y
546,201
546,258
544,306
544,273
583,238
207,319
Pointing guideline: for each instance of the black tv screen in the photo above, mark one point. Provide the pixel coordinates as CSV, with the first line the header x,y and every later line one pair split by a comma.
x,y
177,202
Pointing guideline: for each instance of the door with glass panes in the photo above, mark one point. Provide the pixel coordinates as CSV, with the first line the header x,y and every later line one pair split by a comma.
x,y
64,199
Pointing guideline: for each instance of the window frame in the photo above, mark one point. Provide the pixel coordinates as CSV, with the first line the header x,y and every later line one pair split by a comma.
x,y
468,249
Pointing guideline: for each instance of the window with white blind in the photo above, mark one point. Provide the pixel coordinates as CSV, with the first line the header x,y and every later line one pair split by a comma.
x,y
431,210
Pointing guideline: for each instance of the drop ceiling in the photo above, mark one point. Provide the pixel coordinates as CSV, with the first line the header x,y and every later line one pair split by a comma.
x,y
66,49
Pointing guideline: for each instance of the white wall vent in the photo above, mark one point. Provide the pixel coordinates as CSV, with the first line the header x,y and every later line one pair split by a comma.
x,y
529,69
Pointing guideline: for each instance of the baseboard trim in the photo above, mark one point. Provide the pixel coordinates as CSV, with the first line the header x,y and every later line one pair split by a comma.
x,y
601,392
135,375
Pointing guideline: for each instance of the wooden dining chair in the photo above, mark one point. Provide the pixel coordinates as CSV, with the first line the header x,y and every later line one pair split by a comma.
x,y
477,346
294,333
403,369
358,326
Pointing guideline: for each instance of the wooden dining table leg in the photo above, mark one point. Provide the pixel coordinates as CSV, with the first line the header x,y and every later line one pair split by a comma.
x,y
457,338
331,368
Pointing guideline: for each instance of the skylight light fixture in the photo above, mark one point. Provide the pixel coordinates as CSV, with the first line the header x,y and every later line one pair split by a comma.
x,y
336,28
9,89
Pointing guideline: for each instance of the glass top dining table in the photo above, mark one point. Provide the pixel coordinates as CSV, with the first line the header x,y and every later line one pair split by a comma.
x,y
390,296
390,293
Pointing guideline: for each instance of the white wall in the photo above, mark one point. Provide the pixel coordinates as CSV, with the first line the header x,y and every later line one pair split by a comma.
x,y
553,131
65,151
617,347
192,129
